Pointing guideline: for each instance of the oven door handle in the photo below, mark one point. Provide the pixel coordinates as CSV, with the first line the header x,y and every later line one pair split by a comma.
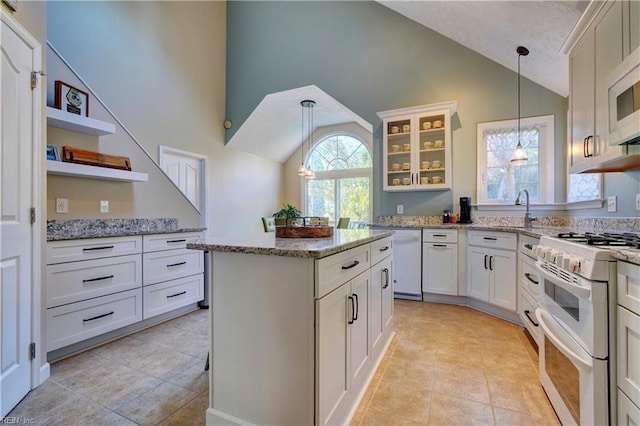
x,y
578,356
581,292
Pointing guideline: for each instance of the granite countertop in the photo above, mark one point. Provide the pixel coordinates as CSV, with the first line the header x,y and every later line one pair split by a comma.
x,y
267,243
78,229
627,255
534,231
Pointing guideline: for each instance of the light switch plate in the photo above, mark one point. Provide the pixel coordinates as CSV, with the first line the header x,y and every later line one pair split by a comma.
x,y
400,209
62,205
637,202
104,206
612,203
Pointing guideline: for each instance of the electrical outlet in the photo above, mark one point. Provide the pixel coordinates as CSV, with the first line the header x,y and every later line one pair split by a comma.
x,y
637,202
400,209
104,206
612,203
62,205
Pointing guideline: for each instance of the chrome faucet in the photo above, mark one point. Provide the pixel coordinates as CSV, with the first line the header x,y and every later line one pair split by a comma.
x,y
528,219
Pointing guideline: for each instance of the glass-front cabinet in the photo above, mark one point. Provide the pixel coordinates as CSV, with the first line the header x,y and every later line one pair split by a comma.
x,y
417,147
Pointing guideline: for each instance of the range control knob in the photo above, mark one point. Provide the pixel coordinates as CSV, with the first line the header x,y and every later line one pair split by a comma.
x,y
559,259
574,265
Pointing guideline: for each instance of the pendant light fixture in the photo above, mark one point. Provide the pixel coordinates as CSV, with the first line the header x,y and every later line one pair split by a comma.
x,y
307,106
519,155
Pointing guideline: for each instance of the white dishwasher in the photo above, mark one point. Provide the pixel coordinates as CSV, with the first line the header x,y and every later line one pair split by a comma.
x,y
407,258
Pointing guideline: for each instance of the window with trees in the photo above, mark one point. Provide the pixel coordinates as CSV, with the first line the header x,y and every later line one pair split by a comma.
x,y
342,187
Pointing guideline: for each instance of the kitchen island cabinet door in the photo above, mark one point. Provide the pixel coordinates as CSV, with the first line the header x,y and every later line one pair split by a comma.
x,y
332,341
387,296
359,340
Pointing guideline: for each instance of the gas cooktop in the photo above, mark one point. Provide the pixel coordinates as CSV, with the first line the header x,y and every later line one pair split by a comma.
x,y
609,239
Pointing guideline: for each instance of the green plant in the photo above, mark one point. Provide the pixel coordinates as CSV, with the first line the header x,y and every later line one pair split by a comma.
x,y
288,211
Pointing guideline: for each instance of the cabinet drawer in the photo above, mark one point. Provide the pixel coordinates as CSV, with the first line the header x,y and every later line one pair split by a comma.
x,y
76,281
335,270
170,264
381,249
176,240
95,248
529,276
439,235
500,240
526,243
82,320
629,286
170,295
527,308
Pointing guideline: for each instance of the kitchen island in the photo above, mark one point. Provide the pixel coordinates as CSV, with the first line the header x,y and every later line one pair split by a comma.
x,y
298,326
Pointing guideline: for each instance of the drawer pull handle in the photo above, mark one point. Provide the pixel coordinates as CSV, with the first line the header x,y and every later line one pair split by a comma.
x,y
439,236
176,241
528,275
385,248
485,261
440,245
176,295
353,309
491,263
97,248
97,317
386,278
528,246
353,265
490,238
355,317
90,280
528,314
176,264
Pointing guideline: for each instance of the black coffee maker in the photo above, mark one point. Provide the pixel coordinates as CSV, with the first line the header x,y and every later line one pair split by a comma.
x,y
465,210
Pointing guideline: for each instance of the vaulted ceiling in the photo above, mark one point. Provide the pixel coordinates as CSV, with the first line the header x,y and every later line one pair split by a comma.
x,y
495,28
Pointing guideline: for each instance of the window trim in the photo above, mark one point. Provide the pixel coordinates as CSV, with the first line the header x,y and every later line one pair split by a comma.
x,y
546,158
329,132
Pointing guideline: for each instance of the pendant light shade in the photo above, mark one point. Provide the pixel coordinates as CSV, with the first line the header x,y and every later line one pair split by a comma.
x,y
519,155
307,107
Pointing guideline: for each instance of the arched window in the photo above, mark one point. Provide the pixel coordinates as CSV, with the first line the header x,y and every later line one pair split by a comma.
x,y
342,188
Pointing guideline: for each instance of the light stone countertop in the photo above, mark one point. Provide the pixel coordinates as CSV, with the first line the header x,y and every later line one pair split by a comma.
x,y
266,243
534,231
627,255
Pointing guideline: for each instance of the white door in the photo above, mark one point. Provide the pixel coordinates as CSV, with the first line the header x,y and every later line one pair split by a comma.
x,y
407,253
19,114
187,171
440,268
359,340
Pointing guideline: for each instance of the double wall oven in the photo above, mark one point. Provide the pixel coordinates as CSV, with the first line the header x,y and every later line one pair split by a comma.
x,y
577,316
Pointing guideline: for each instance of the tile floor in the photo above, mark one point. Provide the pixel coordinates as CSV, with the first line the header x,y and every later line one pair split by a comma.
x,y
447,365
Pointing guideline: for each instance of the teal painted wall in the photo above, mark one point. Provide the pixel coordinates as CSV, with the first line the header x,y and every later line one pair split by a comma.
x,y
372,59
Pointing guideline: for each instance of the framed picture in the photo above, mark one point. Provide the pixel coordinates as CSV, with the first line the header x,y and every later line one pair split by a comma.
x,y
71,99
13,4
53,153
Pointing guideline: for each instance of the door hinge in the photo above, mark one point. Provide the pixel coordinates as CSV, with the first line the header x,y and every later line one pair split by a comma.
x,y
33,215
34,78
32,350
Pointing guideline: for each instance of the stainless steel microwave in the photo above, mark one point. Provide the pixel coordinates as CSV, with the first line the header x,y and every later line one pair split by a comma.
x,y
624,101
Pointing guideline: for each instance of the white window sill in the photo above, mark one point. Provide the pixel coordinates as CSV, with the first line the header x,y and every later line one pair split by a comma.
x,y
591,204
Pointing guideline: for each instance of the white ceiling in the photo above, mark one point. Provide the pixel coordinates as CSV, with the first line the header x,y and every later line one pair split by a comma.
x,y
495,28
274,128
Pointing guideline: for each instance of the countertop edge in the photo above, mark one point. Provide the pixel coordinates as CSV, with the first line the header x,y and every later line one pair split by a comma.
x,y
122,234
301,253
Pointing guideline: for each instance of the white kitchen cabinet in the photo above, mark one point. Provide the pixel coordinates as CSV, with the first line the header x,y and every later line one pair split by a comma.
x,y
529,291
89,126
628,346
173,276
381,293
598,51
318,330
98,285
440,261
491,268
417,147
93,286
